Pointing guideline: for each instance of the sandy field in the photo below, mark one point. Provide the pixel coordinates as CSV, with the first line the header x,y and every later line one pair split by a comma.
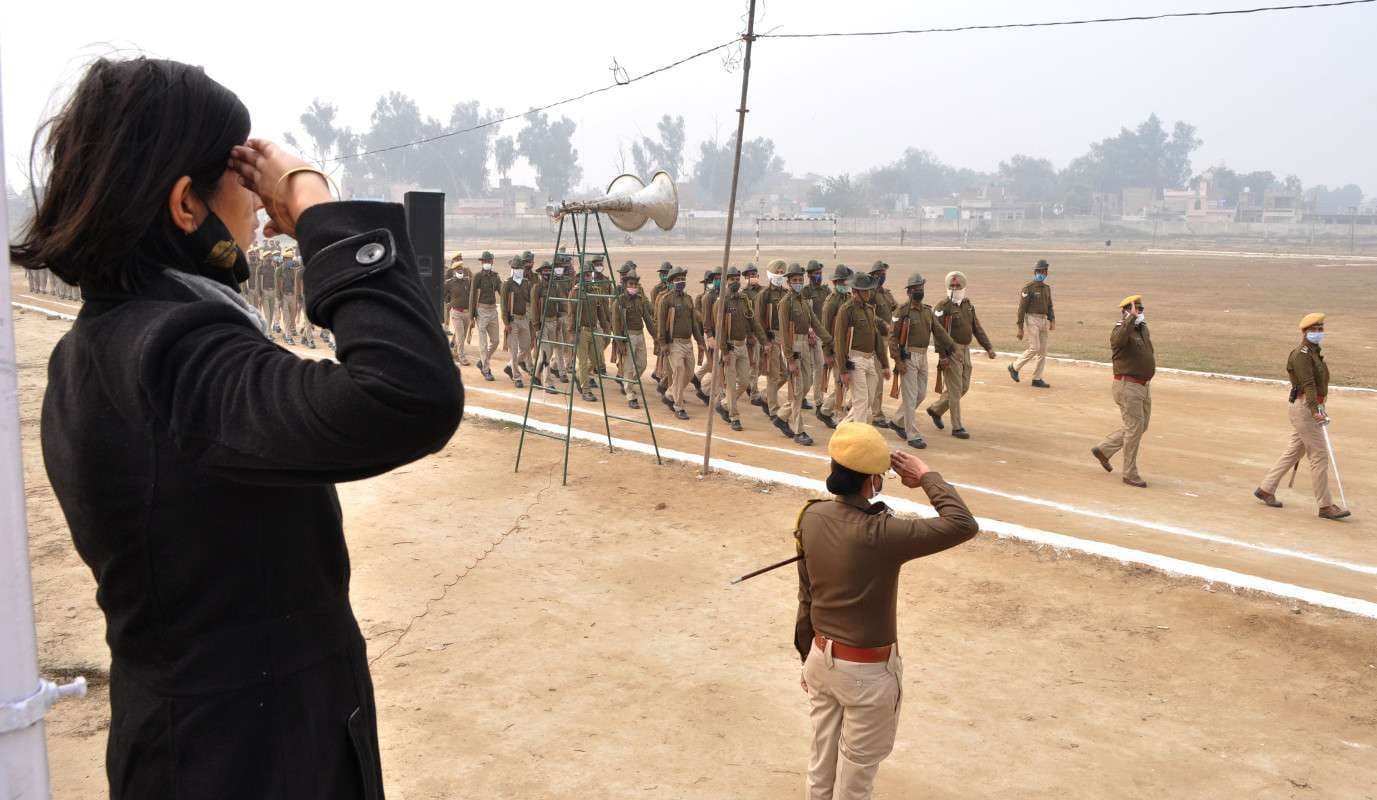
x,y
534,640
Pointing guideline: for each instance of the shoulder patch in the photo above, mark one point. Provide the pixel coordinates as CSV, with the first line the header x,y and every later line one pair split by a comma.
x,y
1025,294
937,312
798,523
1305,350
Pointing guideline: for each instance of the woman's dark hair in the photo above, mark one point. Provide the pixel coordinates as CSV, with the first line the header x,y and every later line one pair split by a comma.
x,y
130,130
844,480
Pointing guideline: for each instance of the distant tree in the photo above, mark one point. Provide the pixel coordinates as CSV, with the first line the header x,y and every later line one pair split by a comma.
x,y
1293,184
666,154
504,154
1029,179
713,173
458,164
396,120
1333,201
920,175
547,147
1145,157
1257,183
839,195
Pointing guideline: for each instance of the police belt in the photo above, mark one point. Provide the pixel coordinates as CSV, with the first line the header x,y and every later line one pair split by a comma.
x,y
1319,399
863,655
1131,379
237,656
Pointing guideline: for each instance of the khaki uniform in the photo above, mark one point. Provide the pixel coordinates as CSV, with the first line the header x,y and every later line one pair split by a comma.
x,y
1310,387
962,324
293,297
1135,363
516,301
269,293
742,329
830,400
679,338
865,359
591,317
631,316
458,288
1035,314
884,313
915,328
817,296
483,299
848,592
796,316
753,293
773,368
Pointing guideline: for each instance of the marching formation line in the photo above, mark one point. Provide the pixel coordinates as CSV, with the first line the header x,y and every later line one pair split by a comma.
x,y
1194,373
1167,564
1159,527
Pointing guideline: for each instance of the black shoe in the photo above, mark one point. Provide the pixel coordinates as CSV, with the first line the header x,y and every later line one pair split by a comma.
x,y
702,396
881,423
826,420
917,443
936,419
697,384
736,425
783,427
960,433
899,429
722,412
634,404
590,397
550,388
664,398
1041,384
508,369
536,384
1013,373
804,439
655,378
807,406
757,401
519,384
681,414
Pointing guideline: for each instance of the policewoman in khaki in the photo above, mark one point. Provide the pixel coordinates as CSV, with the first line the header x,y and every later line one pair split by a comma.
x,y
1309,389
1134,365
846,630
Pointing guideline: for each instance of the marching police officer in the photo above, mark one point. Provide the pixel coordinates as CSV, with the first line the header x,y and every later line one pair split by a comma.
x,y
751,288
846,630
799,329
712,284
591,316
741,329
1035,317
885,305
516,328
831,401
915,327
679,327
458,288
857,339
1134,365
483,299
957,316
816,292
773,366
631,315
1309,389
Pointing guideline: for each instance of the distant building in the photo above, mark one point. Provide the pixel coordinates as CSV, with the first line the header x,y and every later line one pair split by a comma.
x,y
1138,201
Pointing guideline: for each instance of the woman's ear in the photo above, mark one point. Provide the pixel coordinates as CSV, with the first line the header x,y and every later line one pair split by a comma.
x,y
187,210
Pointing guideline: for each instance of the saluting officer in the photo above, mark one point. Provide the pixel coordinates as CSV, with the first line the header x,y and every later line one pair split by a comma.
x,y
1309,389
957,316
1036,318
915,327
741,329
1134,365
679,327
631,315
827,410
857,340
458,287
483,298
516,301
816,292
846,629
799,329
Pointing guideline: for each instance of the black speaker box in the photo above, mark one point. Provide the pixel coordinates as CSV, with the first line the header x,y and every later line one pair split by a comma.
x,y
425,224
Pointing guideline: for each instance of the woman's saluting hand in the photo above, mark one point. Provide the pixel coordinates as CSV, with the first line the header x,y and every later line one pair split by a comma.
x,y
286,184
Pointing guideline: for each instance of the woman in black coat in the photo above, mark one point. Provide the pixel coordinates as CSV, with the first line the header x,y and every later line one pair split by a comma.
x,y
195,460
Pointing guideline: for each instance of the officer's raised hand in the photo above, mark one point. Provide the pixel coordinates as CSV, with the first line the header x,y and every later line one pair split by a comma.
x,y
911,468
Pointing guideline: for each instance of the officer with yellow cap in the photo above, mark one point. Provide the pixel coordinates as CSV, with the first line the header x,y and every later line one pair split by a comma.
x,y
1309,390
851,550
1135,363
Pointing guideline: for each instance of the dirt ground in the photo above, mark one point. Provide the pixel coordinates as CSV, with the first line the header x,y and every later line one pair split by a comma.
x,y
1210,313
534,640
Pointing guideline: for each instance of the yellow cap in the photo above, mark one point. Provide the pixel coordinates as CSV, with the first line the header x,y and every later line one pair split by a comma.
x,y
1133,298
860,447
458,258
1311,319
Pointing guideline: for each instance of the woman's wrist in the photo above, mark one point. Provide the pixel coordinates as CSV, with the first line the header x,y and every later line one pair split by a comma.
x,y
303,190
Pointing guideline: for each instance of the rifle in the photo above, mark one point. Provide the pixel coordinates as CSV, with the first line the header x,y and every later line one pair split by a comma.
x,y
946,326
788,354
903,350
839,356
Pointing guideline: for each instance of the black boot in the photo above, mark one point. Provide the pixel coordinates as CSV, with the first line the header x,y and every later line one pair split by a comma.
x,y
936,419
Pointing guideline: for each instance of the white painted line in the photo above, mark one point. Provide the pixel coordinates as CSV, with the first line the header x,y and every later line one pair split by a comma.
x,y
1159,527
1172,566
42,310
1193,373
38,299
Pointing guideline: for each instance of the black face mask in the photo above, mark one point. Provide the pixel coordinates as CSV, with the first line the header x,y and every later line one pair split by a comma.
x,y
917,295
734,286
211,252
879,280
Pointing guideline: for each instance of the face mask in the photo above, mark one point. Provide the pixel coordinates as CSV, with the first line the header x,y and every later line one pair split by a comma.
x,y
916,295
878,486
815,278
597,268
1314,337
1039,277
958,295
879,279
734,286
633,290
753,280
487,267
212,253
844,289
776,281
796,287
716,285
559,271
518,277
679,286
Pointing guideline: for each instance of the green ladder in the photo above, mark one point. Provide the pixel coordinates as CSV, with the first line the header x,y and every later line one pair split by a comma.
x,y
584,292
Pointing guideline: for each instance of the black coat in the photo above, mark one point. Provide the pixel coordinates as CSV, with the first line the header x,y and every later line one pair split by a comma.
x,y
195,461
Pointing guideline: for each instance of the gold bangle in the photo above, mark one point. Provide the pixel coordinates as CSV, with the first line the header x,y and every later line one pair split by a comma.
x,y
289,173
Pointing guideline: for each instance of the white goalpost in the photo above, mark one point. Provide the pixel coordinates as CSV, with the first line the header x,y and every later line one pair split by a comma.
x,y
824,219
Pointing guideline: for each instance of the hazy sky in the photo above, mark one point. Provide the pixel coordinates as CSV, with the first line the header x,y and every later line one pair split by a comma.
x,y
1293,92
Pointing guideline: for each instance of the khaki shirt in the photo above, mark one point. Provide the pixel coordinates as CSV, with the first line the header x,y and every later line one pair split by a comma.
x,y
769,311
1036,298
961,322
856,323
818,296
740,317
486,287
885,306
796,312
922,330
848,578
457,291
1131,348
632,314
1309,374
686,321
515,298
830,307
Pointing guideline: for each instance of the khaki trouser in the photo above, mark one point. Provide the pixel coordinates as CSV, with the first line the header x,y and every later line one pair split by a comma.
x,y
518,342
666,371
1135,405
489,333
956,381
877,395
1035,331
757,354
291,311
819,391
1307,439
681,362
830,401
547,358
271,301
799,384
589,356
862,378
461,322
774,376
632,365
854,708
736,376
913,387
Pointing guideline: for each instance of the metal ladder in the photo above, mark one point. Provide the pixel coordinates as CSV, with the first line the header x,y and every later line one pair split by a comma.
x,y
602,376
